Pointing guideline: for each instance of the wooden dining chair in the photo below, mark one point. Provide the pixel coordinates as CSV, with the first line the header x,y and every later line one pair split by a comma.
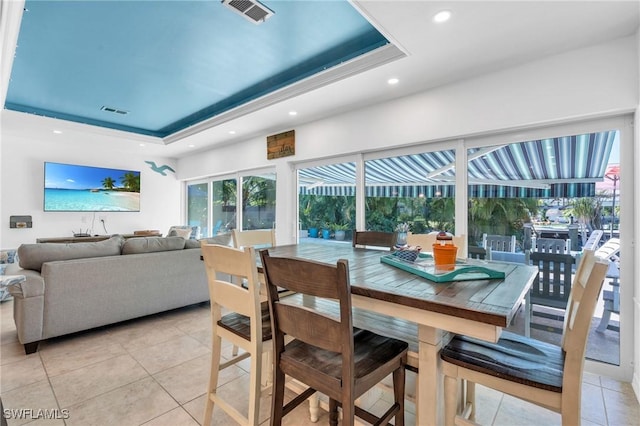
x,y
374,239
247,325
327,353
256,238
541,373
426,241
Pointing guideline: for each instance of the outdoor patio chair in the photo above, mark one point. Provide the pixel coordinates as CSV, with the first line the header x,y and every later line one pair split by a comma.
x,y
499,242
551,245
593,240
551,288
543,374
474,252
327,353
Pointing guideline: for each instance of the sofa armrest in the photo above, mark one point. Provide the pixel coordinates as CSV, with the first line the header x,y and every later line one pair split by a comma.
x,y
33,286
28,307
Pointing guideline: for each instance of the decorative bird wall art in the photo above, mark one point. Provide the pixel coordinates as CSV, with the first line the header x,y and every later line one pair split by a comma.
x,y
159,169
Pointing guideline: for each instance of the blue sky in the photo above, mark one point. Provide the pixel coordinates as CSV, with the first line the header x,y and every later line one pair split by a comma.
x,y
68,176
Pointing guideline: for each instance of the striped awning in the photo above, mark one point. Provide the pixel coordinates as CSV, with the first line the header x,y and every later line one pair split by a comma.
x,y
547,168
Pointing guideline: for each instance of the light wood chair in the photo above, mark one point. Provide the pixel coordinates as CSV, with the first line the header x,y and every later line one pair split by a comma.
x,y
374,239
543,374
257,238
426,241
247,326
327,353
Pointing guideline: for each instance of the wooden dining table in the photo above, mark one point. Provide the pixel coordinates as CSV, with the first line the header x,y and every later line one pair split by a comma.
x,y
479,308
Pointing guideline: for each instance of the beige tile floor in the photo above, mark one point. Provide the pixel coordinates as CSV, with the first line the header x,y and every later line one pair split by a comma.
x,y
153,371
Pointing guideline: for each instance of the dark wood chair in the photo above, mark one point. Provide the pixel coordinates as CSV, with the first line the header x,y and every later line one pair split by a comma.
x,y
546,375
374,239
551,287
327,353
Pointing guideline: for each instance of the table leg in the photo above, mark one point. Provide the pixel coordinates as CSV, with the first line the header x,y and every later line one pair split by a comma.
x,y
430,399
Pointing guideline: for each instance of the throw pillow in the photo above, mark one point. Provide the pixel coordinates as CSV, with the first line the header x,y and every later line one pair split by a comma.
x,y
180,232
32,256
152,244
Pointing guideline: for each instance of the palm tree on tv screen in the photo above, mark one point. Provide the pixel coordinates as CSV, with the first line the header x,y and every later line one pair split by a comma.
x,y
131,182
108,183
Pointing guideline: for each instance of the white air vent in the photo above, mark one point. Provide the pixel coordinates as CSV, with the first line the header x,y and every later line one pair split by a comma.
x,y
252,10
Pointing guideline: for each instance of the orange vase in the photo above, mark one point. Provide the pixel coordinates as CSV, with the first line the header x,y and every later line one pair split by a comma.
x,y
444,256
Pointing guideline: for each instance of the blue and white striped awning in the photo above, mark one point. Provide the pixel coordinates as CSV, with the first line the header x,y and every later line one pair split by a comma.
x,y
547,168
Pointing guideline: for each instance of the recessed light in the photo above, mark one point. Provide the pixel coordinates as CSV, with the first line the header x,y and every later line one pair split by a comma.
x,y
232,132
57,132
442,16
141,144
191,145
293,113
393,81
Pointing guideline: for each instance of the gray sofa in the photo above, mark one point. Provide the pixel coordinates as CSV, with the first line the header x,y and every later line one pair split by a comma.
x,y
75,287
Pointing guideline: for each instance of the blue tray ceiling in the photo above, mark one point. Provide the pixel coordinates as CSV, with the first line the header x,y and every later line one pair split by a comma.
x,y
172,64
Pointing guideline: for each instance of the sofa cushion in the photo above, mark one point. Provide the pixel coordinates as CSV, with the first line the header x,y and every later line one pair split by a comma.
x,y
152,244
32,256
178,232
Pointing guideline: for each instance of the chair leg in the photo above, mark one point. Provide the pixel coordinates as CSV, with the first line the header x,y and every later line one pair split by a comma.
x,y
471,399
398,392
255,385
213,377
450,400
604,321
277,400
333,412
348,411
314,408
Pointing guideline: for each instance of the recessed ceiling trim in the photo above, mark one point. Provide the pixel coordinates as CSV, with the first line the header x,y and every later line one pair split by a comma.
x,y
367,61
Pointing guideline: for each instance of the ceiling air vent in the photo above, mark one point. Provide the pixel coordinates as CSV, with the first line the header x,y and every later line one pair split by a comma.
x,y
114,110
252,10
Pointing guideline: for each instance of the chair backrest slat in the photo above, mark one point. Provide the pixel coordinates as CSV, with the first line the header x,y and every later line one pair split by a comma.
x,y
222,263
259,238
374,239
308,323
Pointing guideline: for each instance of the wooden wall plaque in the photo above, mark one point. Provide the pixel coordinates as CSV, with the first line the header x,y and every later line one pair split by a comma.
x,y
281,145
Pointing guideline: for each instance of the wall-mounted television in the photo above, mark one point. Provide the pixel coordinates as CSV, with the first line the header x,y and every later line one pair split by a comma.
x,y
77,188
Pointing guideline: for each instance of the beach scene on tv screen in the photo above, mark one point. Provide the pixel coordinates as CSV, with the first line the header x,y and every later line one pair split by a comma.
x,y
71,187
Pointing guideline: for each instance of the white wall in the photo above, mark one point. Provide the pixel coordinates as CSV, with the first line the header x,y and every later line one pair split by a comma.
x,y
591,82
21,173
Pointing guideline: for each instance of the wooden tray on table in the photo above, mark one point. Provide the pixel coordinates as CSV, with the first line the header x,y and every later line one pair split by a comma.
x,y
424,267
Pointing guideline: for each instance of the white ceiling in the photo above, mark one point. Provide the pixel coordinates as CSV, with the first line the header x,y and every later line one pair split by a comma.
x,y
482,36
